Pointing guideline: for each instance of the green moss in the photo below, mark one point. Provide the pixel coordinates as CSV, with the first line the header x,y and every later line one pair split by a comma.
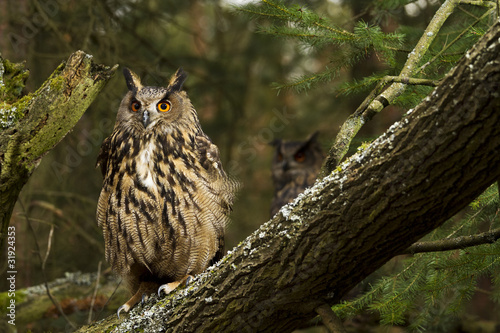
x,y
5,299
12,80
57,83
10,114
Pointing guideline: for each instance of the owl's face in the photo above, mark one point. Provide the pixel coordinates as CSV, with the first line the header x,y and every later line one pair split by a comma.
x,y
146,107
294,158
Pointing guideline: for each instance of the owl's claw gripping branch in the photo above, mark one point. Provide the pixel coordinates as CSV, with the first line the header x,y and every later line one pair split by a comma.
x,y
125,307
168,287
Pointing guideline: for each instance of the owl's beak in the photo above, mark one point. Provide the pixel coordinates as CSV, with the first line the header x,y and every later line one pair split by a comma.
x,y
145,118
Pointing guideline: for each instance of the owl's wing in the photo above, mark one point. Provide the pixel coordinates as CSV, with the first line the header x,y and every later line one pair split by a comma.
x,y
220,251
209,156
102,157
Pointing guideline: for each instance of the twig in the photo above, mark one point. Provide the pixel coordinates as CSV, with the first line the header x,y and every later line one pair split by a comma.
x,y
47,289
52,26
110,297
68,222
462,242
49,246
409,80
95,292
454,41
379,99
330,319
478,3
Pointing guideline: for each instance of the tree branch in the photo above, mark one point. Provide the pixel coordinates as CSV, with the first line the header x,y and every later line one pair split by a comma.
x,y
37,122
457,243
42,264
377,99
330,319
410,180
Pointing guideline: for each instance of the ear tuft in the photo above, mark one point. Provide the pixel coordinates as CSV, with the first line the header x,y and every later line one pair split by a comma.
x,y
133,80
177,80
313,137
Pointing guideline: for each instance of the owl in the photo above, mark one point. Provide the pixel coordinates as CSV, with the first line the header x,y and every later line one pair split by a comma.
x,y
165,197
295,166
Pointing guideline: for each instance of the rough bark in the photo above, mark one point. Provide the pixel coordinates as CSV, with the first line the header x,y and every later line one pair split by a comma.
x,y
418,174
45,118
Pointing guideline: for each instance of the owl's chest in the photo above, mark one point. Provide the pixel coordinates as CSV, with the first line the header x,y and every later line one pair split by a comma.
x,y
145,164
159,164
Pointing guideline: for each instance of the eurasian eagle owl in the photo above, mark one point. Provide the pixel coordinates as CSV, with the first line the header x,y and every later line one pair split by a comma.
x,y
295,166
165,197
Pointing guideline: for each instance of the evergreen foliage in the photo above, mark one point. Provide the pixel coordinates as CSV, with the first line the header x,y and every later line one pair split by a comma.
x,y
392,48
430,289
300,23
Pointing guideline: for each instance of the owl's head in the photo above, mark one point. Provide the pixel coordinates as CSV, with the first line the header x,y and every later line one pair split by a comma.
x,y
292,158
149,106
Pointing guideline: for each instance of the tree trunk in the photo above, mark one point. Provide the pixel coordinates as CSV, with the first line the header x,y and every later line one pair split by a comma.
x,y
409,181
45,118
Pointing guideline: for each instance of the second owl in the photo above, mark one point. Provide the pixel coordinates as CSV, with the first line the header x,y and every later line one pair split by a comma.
x,y
295,166
165,198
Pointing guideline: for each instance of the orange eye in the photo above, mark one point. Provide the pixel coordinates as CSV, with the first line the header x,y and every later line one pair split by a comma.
x,y
163,106
135,105
300,157
280,157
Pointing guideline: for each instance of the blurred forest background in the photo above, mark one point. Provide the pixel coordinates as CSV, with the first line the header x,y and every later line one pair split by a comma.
x,y
231,69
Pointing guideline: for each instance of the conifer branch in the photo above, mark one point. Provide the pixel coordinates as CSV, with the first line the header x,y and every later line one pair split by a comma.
x,y
288,13
375,102
445,48
457,243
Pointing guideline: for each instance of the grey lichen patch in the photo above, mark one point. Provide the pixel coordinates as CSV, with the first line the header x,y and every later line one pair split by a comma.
x,y
10,114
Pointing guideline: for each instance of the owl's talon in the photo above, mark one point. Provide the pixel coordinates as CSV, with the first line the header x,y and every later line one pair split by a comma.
x,y
124,307
188,280
144,298
165,288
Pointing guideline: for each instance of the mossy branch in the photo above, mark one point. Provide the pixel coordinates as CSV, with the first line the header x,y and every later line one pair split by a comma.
x,y
36,122
378,99
456,243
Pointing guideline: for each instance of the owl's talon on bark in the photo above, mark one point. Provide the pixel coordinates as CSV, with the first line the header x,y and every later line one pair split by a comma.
x,y
168,287
125,307
144,298
188,280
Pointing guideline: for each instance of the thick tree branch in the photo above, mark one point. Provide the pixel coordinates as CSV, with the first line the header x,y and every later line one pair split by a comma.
x,y
413,178
454,243
41,120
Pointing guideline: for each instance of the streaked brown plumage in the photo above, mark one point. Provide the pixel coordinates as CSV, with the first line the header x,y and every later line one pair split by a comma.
x,y
165,198
295,166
